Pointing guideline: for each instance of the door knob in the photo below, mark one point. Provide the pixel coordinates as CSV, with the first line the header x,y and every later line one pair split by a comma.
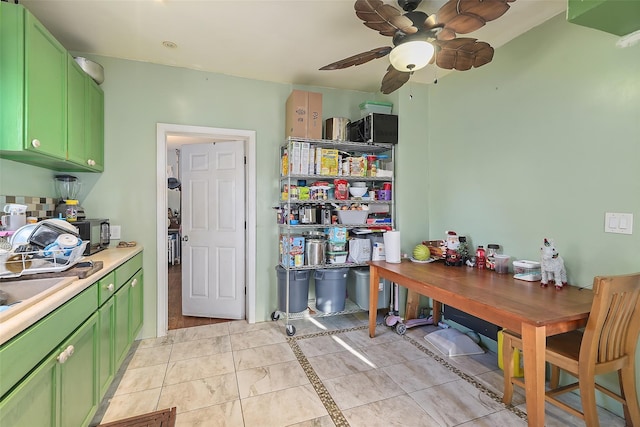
x,y
185,239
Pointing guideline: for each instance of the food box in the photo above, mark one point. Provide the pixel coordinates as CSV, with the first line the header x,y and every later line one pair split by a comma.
x,y
292,251
336,257
304,115
352,216
357,166
529,271
375,107
336,234
329,162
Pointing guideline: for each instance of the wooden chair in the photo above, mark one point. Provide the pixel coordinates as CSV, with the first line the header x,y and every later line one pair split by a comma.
x,y
608,344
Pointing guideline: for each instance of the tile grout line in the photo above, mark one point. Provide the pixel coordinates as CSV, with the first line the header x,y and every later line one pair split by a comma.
x,y
330,405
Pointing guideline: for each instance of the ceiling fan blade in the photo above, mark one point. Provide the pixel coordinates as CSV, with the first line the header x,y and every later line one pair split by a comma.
x,y
462,54
466,16
359,58
393,80
383,18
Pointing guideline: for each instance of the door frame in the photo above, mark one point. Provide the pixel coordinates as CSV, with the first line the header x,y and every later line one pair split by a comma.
x,y
248,137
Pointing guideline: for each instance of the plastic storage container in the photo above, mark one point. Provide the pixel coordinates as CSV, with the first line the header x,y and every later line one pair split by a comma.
x,y
331,289
529,271
375,107
358,289
337,257
298,289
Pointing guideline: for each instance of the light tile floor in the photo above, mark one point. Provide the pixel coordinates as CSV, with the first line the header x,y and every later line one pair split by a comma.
x,y
237,374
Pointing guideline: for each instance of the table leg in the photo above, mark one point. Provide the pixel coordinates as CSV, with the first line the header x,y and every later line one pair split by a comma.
x,y
374,279
437,309
533,347
413,305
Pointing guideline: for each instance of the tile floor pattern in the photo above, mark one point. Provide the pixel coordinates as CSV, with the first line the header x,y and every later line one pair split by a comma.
x,y
329,374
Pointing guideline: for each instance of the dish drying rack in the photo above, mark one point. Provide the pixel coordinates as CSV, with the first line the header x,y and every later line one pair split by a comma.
x,y
16,264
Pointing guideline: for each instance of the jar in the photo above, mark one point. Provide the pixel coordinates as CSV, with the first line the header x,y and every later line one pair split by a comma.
x,y
481,258
492,251
71,212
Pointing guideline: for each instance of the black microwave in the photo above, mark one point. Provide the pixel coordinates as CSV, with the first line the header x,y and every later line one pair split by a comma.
x,y
96,232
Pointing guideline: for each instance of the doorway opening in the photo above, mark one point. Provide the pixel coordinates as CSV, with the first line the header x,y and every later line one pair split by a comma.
x,y
172,136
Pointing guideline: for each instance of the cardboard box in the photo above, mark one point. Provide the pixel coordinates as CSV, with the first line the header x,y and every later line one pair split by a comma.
x,y
304,115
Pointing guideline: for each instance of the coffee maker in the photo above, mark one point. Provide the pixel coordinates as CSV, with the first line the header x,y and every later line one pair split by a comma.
x,y
68,187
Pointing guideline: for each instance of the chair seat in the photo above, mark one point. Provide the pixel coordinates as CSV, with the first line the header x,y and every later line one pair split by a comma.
x,y
566,345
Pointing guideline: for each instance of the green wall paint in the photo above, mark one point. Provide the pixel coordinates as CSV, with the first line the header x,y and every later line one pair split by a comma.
x,y
541,143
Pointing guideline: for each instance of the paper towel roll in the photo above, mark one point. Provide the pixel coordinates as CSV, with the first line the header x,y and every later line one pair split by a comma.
x,y
392,246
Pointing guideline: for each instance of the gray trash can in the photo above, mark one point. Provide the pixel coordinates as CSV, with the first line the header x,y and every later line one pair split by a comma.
x,y
358,289
298,289
331,289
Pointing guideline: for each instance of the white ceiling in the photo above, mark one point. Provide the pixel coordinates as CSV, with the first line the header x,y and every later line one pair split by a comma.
x,y
272,40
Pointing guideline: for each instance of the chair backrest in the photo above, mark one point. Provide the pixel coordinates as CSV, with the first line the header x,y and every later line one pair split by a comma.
x,y
614,322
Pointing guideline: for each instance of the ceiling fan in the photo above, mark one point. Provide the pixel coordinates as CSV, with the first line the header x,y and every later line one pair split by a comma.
x,y
420,39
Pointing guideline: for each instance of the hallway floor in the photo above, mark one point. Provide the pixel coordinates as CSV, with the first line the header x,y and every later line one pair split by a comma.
x,y
174,299
330,373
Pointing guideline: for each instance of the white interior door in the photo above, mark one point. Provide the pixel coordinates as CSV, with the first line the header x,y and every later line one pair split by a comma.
x,y
213,230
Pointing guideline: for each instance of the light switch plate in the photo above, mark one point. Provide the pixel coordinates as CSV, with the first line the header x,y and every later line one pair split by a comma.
x,y
621,223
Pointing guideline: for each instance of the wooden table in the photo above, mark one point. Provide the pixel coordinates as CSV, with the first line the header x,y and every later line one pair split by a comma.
x,y
516,305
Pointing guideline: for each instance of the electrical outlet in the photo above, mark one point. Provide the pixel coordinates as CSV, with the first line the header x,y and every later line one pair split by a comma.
x,y
115,232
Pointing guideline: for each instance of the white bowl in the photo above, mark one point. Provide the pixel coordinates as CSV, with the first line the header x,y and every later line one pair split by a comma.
x,y
93,69
357,191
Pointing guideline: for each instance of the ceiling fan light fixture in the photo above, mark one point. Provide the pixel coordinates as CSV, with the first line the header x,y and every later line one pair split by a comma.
x,y
412,55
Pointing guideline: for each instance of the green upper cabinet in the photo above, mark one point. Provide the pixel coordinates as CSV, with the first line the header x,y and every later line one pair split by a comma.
x,y
47,107
94,130
76,95
85,108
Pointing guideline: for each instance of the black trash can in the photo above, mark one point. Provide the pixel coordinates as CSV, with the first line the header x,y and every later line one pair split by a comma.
x,y
331,289
298,289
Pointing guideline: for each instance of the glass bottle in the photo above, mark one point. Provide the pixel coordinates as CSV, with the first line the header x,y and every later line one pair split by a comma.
x,y
492,250
71,212
481,258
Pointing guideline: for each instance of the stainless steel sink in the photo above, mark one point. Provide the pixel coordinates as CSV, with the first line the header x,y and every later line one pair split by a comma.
x,y
23,293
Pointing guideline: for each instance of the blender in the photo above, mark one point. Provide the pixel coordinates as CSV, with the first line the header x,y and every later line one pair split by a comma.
x,y
68,187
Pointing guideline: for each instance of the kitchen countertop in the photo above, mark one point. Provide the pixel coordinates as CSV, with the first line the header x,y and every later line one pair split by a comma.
x,y
11,324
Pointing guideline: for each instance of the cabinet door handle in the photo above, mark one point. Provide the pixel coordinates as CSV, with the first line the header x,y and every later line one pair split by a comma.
x,y
110,287
134,282
91,162
35,143
65,354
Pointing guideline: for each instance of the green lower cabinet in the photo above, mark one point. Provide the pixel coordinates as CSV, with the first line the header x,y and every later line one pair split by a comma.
x,y
106,362
63,390
121,325
135,305
79,376
33,402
